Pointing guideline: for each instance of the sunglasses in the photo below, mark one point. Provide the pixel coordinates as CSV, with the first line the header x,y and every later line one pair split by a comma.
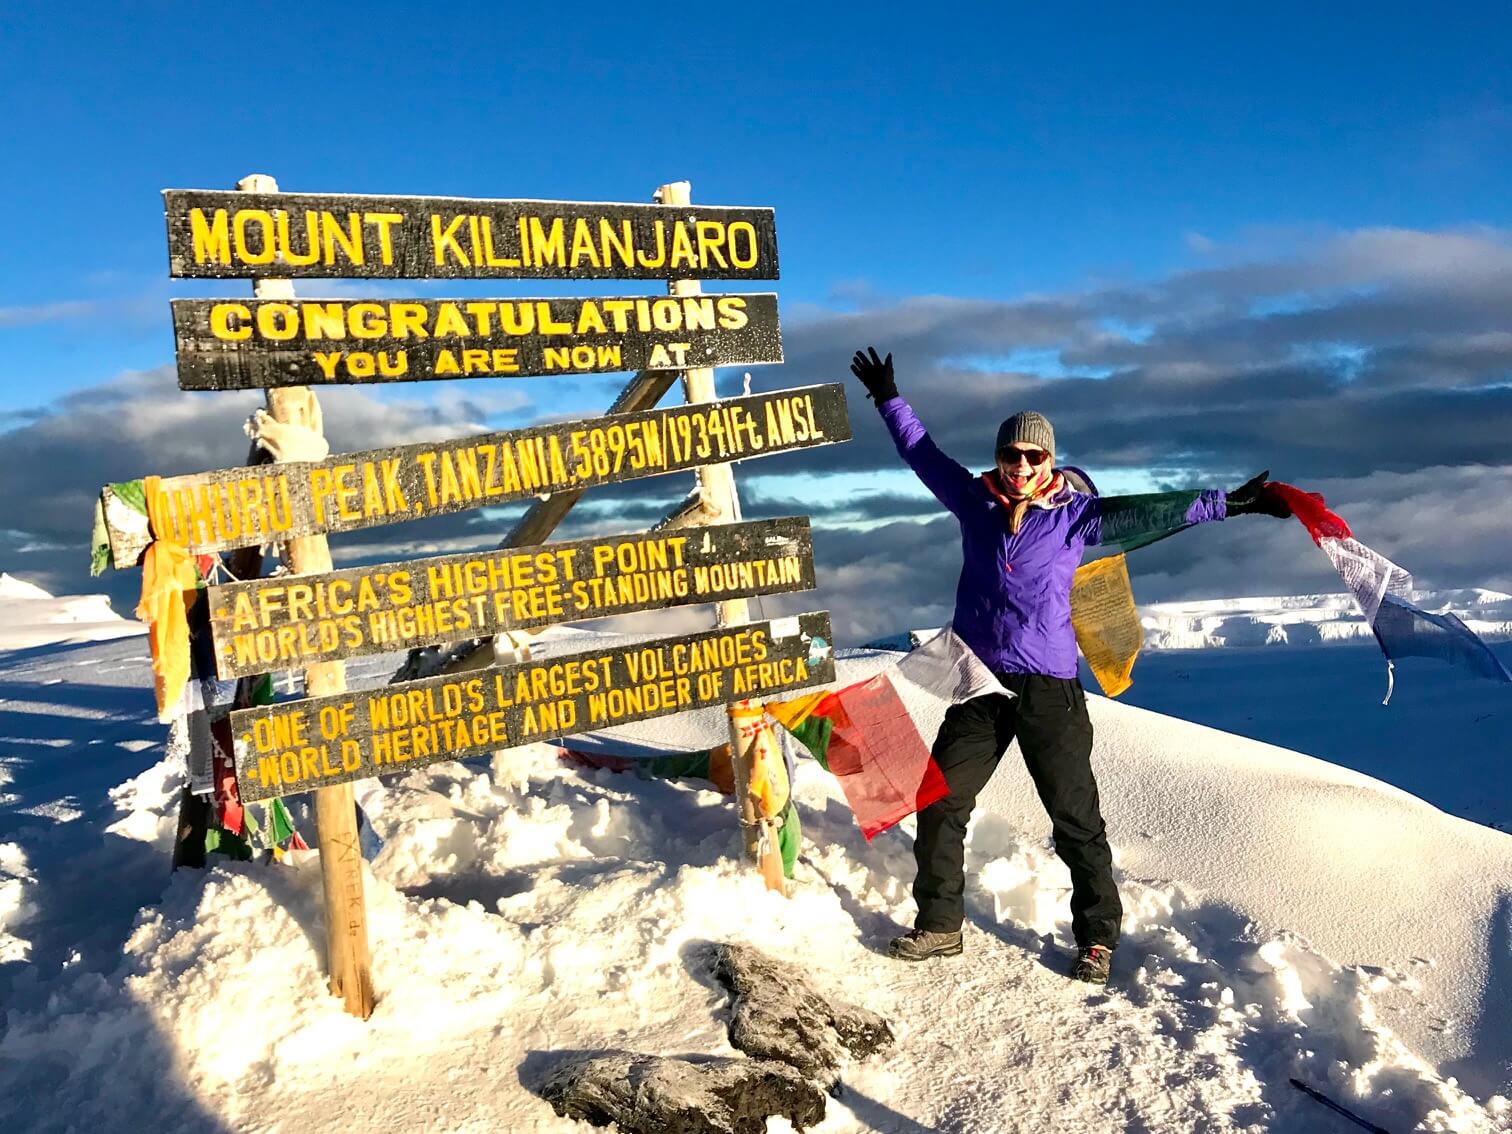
x,y
1035,457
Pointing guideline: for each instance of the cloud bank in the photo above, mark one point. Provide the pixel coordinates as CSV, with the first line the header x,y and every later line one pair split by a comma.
x,y
1374,366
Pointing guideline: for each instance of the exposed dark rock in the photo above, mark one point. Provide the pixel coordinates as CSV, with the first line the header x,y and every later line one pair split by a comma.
x,y
648,1094
777,1014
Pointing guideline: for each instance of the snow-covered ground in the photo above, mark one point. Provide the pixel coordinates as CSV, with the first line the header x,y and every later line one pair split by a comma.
x,y
1286,918
1304,620
29,616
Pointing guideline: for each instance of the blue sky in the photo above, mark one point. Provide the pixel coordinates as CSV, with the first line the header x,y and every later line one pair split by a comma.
x,y
1102,158
993,153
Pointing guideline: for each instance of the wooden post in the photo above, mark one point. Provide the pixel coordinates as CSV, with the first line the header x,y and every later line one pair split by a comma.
x,y
721,504
347,958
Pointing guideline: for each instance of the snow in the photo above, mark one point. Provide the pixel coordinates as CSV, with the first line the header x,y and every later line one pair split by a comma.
x,y
1286,917
29,616
1305,619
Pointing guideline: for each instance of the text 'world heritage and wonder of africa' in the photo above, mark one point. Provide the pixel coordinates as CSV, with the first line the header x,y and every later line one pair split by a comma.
x,y
302,745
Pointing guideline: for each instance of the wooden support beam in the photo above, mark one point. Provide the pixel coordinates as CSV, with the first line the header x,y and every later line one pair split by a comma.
x,y
347,958
544,517
719,502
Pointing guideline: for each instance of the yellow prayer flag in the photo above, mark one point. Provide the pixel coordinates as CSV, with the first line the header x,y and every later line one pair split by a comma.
x,y
1106,623
793,712
169,586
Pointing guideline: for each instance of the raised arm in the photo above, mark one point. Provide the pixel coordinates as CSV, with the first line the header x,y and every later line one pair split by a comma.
x,y
950,482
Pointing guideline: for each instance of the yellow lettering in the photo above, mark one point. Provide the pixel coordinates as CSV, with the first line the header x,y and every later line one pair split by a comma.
x,y
548,247
332,233
266,249
589,318
286,243
732,312
583,246
710,237
682,247
451,321
211,240
327,360
228,321
747,230
385,242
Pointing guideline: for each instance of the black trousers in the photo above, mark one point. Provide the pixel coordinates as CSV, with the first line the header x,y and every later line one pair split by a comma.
x,y
1049,718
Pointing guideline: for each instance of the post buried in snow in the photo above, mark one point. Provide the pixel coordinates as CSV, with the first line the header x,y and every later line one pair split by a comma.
x,y
749,733
347,956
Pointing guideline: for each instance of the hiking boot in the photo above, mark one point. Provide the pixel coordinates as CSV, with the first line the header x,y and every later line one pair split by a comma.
x,y
921,944
1092,964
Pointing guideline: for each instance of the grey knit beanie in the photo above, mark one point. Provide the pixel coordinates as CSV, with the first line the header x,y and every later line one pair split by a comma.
x,y
1027,428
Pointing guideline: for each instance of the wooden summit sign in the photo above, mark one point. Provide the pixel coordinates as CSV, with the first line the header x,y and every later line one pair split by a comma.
x,y
315,743
316,617
240,235
289,621
226,344
231,508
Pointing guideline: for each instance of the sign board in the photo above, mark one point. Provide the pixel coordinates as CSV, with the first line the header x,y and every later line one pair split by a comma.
x,y
299,746
293,621
227,344
230,508
234,235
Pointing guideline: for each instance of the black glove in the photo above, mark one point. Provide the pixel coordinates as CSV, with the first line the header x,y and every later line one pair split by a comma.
x,y
1254,497
876,375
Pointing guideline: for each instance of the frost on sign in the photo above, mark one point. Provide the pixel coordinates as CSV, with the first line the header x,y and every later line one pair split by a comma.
x,y
235,235
289,621
229,508
230,344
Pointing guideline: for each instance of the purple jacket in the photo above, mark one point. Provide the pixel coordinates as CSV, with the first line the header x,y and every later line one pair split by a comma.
x,y
1013,603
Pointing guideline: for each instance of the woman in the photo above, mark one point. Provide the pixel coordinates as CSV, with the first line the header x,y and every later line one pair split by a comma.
x,y
1023,527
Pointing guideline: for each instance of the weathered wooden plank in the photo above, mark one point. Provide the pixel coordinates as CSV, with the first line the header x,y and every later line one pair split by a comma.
x,y
302,745
231,344
229,508
290,621
221,235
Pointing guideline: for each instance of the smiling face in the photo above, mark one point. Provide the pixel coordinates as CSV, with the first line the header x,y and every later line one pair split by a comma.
x,y
1024,467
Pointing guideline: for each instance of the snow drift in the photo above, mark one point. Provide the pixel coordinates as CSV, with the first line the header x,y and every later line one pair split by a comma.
x,y
1286,917
29,616
1305,620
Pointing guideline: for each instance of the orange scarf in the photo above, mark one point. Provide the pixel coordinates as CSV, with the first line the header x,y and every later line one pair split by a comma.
x,y
1046,482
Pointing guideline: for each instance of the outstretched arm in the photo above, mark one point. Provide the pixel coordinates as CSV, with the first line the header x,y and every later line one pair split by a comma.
x,y
1140,520
951,484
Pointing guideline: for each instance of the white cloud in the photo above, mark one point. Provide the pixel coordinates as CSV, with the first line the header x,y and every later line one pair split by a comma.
x,y
1374,365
